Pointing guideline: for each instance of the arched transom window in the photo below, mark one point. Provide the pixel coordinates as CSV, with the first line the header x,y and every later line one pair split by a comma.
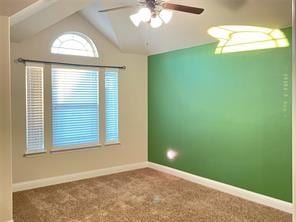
x,y
74,43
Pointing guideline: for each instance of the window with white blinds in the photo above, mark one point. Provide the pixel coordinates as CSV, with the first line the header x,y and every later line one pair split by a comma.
x,y
111,106
34,108
75,107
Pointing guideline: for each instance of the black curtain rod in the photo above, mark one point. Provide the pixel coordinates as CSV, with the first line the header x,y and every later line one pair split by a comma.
x,y
21,60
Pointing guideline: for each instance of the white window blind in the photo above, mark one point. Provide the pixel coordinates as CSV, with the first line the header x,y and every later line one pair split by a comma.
x,y
111,106
75,107
34,108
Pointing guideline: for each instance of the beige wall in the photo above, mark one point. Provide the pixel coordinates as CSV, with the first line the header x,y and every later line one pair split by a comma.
x,y
133,107
10,7
5,129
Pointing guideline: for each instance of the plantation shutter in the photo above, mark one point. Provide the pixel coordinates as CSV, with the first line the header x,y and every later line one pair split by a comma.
x,y
111,106
34,108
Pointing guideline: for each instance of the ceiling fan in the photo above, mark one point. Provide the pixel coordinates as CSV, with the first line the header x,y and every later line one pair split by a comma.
x,y
155,12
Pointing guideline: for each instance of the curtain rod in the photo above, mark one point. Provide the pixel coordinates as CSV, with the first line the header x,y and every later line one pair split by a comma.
x,y
21,60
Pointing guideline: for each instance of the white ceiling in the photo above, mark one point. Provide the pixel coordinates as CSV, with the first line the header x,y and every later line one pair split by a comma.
x,y
183,31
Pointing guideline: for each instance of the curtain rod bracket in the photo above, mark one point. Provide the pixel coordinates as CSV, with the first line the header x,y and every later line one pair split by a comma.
x,y
20,60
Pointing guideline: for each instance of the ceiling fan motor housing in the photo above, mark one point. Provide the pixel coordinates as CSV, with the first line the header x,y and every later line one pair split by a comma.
x,y
152,4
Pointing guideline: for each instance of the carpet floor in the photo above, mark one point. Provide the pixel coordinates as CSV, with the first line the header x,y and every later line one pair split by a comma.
x,y
143,195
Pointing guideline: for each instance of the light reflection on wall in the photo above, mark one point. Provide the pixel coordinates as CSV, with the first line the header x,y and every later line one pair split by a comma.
x,y
247,38
171,154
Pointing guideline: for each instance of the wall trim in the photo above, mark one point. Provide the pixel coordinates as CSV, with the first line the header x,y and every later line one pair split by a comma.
x,y
235,191
76,176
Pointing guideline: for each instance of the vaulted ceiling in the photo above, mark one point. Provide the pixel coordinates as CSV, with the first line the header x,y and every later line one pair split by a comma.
x,y
183,31
42,15
10,7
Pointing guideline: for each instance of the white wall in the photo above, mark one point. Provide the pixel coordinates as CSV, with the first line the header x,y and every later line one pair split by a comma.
x,y
5,121
133,106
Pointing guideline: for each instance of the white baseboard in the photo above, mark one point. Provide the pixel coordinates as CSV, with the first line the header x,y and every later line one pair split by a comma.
x,y
77,176
239,192
235,191
9,221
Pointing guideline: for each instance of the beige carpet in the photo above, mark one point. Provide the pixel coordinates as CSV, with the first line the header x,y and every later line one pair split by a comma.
x,y
138,196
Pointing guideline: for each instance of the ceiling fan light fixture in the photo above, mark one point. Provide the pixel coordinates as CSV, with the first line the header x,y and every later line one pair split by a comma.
x,y
166,15
136,19
145,14
156,12
155,22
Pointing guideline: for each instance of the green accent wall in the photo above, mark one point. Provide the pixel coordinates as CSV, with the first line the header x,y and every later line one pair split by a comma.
x,y
228,116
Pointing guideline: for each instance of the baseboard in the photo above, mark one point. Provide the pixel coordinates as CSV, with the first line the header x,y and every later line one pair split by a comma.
x,y
9,221
242,193
239,192
77,176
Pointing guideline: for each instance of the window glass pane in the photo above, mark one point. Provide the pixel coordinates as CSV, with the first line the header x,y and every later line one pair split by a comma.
x,y
111,102
74,44
34,108
75,105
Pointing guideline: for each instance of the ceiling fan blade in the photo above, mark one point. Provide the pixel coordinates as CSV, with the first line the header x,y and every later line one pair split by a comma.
x,y
116,8
183,8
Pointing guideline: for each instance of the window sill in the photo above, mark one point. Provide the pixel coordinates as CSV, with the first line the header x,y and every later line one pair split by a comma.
x,y
35,154
112,144
61,150
71,149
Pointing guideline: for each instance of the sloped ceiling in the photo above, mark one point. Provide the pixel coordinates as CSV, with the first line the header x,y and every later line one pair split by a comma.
x,y
10,7
42,15
184,30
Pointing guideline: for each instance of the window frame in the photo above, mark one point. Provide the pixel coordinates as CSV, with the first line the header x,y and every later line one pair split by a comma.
x,y
80,146
48,115
80,34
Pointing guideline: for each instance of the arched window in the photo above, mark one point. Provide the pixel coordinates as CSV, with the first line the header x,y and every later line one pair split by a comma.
x,y
74,43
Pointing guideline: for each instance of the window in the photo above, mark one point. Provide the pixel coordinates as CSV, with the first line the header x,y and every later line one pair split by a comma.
x,y
75,101
111,106
75,107
34,108
74,43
